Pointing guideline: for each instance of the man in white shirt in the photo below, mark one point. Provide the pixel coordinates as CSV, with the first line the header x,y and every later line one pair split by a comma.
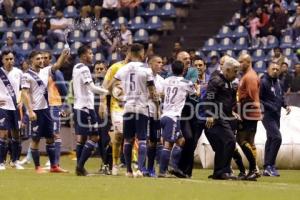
x,y
138,85
85,117
35,98
10,79
175,89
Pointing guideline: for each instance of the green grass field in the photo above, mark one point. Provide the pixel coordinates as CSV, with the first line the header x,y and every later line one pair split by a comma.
x,y
25,185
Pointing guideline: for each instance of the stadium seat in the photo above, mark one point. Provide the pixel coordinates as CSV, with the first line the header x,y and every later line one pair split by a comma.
x,y
20,13
286,42
225,44
30,24
26,36
288,52
240,44
244,51
260,66
272,42
154,23
179,2
211,54
151,10
258,54
168,10
137,23
17,26
146,1
141,36
43,46
57,48
70,12
210,44
240,31
98,57
34,12
94,46
269,55
224,32
90,36
119,21
230,53
76,35
3,26
75,46
25,49
114,57
159,1
9,34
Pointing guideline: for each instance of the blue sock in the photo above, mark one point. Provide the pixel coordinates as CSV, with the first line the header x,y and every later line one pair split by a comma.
x,y
79,148
57,150
159,148
128,155
2,150
175,156
142,154
151,151
14,150
29,155
164,160
86,152
36,157
50,148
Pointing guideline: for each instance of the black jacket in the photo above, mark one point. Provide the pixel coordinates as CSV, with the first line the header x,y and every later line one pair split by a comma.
x,y
271,95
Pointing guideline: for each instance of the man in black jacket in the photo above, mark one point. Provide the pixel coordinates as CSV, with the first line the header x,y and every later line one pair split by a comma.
x,y
271,97
220,100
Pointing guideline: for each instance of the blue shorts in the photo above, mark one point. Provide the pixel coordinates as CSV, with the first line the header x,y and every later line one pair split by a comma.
x,y
135,124
86,122
43,126
170,129
154,132
55,115
9,120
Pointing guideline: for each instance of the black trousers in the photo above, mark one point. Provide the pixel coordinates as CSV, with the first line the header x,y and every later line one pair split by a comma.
x,y
222,141
271,122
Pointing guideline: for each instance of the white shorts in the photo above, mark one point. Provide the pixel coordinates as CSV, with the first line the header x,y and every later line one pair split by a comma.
x,y
117,121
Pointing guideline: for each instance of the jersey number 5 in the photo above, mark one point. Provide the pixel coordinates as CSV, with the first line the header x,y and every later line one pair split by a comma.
x,y
132,82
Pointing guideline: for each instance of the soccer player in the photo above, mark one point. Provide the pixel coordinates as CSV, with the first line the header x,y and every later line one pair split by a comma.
x,y
154,144
10,80
137,83
175,90
248,99
35,98
85,117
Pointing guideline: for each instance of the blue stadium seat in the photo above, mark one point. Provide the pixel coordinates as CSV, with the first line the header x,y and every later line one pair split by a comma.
x,y
57,48
114,57
98,57
286,42
288,52
74,47
272,42
43,46
244,51
210,44
119,21
17,26
146,1
269,55
154,23
159,1
211,54
26,36
225,44
9,34
224,32
90,36
34,12
258,54
25,49
30,24
141,36
70,12
94,46
20,13
260,66
240,31
179,2
230,53
151,10
3,26
137,23
76,35
168,10
240,44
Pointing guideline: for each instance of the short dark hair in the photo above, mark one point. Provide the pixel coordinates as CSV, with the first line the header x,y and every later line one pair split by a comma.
x,y
6,52
83,49
49,53
98,62
34,53
177,67
136,47
198,58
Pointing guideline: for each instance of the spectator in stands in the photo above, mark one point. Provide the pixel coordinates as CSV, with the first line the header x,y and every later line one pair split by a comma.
x,y
7,6
128,7
278,21
296,24
40,27
11,46
284,77
214,64
248,6
110,9
26,4
254,28
193,55
57,27
278,57
295,84
110,39
126,35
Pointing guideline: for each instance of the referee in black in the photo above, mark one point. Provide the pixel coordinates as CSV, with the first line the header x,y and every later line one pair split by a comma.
x,y
220,99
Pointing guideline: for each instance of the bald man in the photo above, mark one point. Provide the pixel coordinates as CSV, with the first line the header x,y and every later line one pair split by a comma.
x,y
190,72
248,101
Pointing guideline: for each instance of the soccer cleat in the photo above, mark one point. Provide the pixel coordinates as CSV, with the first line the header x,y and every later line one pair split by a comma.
x,y
40,170
129,174
81,172
16,165
164,175
145,172
178,173
25,161
138,174
2,167
115,170
105,170
268,171
242,176
58,169
48,164
274,170
152,173
251,176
